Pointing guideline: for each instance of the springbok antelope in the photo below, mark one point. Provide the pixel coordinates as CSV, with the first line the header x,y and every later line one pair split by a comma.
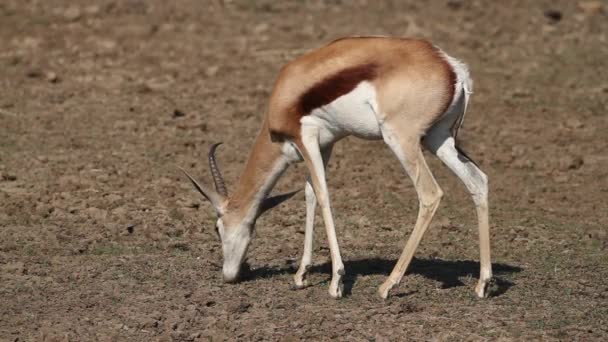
x,y
405,91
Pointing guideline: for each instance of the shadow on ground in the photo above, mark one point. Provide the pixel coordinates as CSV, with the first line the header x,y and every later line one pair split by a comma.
x,y
447,272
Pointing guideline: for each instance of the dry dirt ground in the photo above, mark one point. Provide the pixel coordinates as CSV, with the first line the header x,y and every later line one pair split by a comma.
x,y
101,238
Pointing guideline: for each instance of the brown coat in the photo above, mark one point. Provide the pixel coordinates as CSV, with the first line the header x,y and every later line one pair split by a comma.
x,y
411,77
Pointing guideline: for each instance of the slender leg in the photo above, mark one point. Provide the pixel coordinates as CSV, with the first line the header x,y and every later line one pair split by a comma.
x,y
310,150
311,203
476,183
409,153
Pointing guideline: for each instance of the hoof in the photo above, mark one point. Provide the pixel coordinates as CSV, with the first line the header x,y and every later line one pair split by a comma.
x,y
300,284
336,293
483,288
336,288
299,278
385,288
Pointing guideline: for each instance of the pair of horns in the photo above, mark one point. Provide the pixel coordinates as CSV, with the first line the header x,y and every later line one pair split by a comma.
x,y
220,194
218,180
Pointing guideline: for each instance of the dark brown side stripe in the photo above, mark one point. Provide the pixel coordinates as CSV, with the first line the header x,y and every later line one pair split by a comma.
x,y
335,86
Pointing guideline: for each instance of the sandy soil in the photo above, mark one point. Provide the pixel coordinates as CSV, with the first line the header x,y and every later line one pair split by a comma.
x,y
101,238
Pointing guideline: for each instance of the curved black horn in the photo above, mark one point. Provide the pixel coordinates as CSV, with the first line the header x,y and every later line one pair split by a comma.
x,y
220,186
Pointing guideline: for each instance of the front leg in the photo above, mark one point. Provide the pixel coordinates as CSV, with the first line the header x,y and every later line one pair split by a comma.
x,y
310,150
311,203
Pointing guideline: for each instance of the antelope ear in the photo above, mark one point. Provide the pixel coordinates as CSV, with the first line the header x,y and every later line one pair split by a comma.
x,y
273,201
216,199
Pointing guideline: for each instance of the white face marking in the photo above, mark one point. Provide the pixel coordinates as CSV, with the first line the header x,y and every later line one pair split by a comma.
x,y
236,238
235,241
353,113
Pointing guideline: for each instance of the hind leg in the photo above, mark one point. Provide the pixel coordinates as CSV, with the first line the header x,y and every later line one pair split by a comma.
x,y
442,144
409,152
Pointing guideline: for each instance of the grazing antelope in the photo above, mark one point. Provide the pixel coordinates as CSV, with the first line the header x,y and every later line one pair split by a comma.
x,y
405,91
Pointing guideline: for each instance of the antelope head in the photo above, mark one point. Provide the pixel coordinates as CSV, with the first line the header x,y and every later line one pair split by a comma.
x,y
235,225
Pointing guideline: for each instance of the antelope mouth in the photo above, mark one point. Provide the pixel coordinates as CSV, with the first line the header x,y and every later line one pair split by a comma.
x,y
243,273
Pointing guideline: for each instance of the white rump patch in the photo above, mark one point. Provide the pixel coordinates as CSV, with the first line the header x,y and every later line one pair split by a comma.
x,y
464,83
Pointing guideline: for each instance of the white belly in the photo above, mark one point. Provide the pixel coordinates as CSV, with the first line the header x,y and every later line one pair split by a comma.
x,y
351,114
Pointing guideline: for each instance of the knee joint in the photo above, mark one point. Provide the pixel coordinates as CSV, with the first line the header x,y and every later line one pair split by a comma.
x,y
433,199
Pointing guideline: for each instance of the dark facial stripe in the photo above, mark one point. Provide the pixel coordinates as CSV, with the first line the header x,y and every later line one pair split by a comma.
x,y
335,86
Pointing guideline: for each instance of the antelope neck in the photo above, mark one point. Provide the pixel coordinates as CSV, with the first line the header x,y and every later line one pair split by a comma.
x,y
265,165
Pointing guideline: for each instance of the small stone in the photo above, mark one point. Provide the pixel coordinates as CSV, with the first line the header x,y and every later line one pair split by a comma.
x,y
194,336
8,177
193,205
522,163
34,73
212,70
106,44
180,246
570,162
14,60
96,214
92,9
599,234
261,28
454,4
553,15
44,210
548,28
156,315
239,308
591,7
574,123
521,93
176,214
51,77
156,84
178,113
72,13
113,198
148,323
29,42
